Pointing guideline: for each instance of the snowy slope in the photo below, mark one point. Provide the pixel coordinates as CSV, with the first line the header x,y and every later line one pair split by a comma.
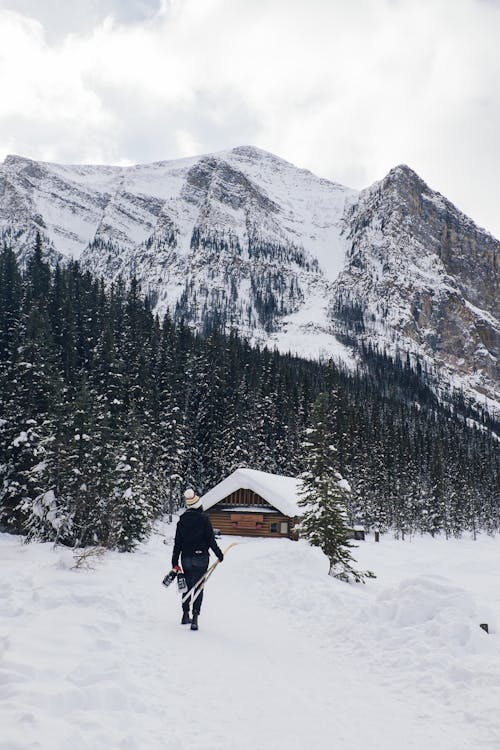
x,y
141,220
125,204
285,659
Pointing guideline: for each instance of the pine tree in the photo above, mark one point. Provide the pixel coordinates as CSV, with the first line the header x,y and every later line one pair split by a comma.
x,y
10,414
28,497
323,496
236,435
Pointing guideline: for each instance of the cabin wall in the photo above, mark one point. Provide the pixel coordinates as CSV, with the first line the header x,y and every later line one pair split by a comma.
x,y
240,524
245,513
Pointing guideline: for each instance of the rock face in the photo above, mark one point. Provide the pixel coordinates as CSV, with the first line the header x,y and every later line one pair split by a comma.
x,y
421,274
250,241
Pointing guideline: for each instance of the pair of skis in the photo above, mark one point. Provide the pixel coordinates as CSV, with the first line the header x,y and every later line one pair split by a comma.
x,y
198,587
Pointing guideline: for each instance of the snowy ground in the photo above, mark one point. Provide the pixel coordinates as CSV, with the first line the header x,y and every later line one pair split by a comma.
x,y
285,658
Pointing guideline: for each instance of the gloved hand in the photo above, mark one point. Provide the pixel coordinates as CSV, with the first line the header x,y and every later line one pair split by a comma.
x,y
177,568
221,557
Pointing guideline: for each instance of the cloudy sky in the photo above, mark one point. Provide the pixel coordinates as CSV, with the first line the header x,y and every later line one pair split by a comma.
x,y
346,88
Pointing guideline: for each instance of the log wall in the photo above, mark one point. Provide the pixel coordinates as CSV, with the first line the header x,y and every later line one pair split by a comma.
x,y
239,524
238,514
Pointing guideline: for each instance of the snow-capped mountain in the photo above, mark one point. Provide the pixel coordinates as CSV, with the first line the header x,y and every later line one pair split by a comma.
x,y
420,274
286,257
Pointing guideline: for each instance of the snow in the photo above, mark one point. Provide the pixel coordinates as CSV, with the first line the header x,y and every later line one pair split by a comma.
x,y
482,314
79,202
286,658
280,491
307,332
313,207
344,485
21,438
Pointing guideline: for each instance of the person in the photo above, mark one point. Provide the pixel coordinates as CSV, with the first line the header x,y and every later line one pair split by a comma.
x,y
194,536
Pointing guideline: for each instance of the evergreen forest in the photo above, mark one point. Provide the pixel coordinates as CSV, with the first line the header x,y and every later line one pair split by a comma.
x,y
107,413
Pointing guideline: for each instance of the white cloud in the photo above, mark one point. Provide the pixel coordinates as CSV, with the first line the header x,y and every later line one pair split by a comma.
x,y
345,89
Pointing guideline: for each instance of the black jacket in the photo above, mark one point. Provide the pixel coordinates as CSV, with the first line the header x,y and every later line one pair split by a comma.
x,y
194,532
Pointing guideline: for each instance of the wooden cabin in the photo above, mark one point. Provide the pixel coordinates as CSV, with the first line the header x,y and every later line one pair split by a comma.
x,y
254,503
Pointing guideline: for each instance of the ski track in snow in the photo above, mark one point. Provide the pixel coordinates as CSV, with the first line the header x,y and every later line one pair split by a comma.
x,y
285,659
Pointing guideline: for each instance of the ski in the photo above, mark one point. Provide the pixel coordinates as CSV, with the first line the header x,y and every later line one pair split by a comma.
x,y
198,587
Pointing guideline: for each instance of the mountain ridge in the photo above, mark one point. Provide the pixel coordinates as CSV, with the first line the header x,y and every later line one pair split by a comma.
x,y
246,239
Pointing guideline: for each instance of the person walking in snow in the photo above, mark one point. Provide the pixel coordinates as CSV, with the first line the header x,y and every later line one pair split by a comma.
x,y
194,536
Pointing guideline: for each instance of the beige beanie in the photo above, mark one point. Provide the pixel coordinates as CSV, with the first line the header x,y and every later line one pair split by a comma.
x,y
191,499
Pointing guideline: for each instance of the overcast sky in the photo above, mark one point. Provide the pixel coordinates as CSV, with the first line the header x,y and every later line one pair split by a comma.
x,y
346,88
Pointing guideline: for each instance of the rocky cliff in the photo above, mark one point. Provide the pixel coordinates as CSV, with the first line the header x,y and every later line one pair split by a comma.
x,y
422,275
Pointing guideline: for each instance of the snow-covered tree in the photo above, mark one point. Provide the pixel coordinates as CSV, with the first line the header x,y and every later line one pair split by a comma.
x,y
324,522
104,409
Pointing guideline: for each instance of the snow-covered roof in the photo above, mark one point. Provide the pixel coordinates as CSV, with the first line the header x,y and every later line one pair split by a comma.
x,y
281,492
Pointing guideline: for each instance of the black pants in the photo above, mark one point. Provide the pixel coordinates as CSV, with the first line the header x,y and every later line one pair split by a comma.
x,y
194,565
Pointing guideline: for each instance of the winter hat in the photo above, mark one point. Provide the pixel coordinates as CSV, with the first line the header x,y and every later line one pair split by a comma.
x,y
192,500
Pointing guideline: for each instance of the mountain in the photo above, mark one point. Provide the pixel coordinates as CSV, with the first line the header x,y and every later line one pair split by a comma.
x,y
420,273
247,240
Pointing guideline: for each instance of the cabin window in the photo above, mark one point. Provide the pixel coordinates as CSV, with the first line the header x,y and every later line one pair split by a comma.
x,y
284,528
274,528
